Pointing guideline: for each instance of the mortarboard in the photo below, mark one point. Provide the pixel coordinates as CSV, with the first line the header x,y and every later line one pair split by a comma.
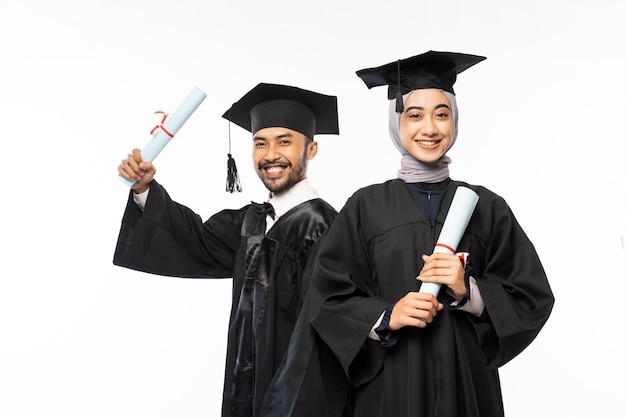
x,y
276,105
431,69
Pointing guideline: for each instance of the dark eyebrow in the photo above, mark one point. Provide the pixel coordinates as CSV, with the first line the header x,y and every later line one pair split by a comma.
x,y
283,136
438,106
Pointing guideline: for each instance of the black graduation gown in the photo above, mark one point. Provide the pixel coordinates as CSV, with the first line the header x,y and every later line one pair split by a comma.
x,y
310,381
370,259
268,270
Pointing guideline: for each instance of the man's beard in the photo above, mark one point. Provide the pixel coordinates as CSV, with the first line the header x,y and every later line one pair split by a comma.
x,y
296,174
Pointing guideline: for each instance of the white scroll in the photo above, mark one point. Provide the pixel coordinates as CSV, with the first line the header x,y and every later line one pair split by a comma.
x,y
163,133
463,205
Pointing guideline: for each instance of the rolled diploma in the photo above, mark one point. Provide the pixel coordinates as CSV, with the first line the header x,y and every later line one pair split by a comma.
x,y
172,124
454,226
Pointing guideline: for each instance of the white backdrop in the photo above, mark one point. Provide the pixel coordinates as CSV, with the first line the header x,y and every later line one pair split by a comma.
x,y
540,124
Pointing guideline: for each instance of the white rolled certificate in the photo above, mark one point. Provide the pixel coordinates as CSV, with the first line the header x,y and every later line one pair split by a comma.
x,y
163,133
463,205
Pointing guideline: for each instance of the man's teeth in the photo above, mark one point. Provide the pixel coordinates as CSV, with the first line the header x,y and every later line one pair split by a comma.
x,y
274,169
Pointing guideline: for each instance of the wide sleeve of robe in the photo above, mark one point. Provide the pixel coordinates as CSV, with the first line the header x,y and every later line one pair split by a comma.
x,y
167,238
370,259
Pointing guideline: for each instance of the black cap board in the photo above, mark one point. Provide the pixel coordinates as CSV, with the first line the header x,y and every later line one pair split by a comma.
x,y
432,69
276,105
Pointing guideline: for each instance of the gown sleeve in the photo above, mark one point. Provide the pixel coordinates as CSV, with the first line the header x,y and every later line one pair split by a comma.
x,y
344,302
512,281
167,238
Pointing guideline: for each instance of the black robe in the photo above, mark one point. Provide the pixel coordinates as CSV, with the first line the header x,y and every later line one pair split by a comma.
x,y
369,260
310,382
269,274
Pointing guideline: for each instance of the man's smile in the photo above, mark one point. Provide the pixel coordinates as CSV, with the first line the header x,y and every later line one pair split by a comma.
x,y
274,170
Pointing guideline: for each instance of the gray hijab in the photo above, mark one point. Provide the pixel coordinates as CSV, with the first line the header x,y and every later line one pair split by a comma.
x,y
411,169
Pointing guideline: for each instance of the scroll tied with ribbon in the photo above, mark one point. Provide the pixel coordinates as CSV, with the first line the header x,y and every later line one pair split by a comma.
x,y
458,217
169,126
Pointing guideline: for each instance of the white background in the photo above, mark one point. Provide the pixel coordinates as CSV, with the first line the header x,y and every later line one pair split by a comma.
x,y
541,123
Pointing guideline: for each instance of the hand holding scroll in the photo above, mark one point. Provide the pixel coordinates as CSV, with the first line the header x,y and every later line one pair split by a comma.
x,y
458,217
165,131
444,269
136,171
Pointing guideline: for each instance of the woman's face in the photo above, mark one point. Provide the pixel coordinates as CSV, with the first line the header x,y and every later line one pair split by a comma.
x,y
426,125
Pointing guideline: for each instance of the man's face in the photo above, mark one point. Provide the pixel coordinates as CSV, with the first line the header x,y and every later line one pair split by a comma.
x,y
280,157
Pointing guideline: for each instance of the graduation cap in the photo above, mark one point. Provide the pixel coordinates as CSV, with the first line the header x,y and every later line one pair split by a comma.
x,y
276,105
431,69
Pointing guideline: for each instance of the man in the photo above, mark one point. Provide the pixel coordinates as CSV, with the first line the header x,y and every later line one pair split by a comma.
x,y
264,247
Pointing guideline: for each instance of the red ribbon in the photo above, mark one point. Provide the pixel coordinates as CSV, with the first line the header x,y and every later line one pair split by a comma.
x,y
464,257
446,247
160,125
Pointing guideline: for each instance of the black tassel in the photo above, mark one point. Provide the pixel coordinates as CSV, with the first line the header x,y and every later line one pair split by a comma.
x,y
232,176
399,103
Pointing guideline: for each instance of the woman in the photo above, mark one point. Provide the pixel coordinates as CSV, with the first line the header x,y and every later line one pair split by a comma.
x,y
406,352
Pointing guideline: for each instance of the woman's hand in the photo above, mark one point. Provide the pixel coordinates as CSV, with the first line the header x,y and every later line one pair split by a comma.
x,y
445,269
415,309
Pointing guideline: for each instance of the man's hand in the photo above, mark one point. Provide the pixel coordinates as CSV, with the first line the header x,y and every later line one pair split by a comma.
x,y
135,169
